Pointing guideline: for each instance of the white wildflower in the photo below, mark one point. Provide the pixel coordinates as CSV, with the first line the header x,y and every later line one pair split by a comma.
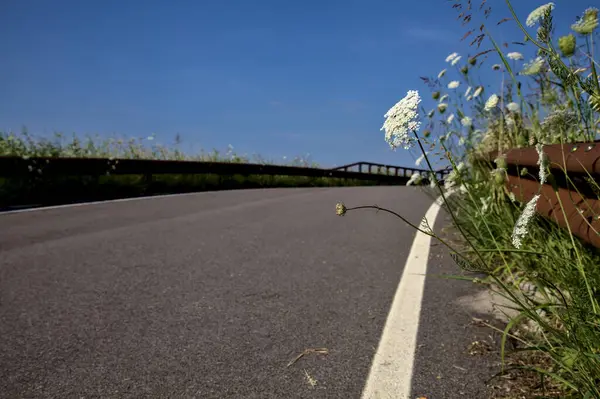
x,y
537,14
415,178
421,158
442,107
431,113
468,91
533,67
443,98
461,140
477,91
432,180
586,24
520,229
469,97
454,84
455,60
451,57
515,56
491,102
513,107
450,118
466,121
401,120
441,74
542,162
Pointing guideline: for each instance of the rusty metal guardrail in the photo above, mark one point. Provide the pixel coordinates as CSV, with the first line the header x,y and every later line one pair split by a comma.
x,y
573,202
12,166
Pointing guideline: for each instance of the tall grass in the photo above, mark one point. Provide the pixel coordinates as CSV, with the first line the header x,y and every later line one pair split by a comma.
x,y
38,189
550,276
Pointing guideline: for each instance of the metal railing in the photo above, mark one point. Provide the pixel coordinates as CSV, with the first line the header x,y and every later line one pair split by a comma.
x,y
12,166
571,202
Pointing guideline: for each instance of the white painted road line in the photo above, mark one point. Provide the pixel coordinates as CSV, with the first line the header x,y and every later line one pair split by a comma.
x,y
391,372
46,208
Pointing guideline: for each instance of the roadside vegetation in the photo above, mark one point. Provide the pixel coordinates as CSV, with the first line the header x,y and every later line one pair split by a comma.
x,y
38,189
548,93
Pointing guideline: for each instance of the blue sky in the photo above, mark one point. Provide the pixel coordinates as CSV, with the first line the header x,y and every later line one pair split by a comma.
x,y
270,77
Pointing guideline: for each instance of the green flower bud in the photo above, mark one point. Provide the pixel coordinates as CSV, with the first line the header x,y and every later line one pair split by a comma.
x,y
464,70
567,45
435,95
473,61
499,177
524,172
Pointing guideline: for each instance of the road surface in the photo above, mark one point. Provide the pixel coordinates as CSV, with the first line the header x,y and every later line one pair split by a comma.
x,y
211,295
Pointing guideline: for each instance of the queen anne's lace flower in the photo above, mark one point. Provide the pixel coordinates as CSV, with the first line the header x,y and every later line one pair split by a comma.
x,y
533,67
477,91
441,74
587,23
443,98
415,178
451,57
421,158
450,118
454,84
442,107
491,102
466,121
515,56
520,229
513,107
455,60
537,14
401,120
542,163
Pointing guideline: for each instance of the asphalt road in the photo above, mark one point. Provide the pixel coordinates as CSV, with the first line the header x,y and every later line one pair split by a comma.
x,y
211,295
